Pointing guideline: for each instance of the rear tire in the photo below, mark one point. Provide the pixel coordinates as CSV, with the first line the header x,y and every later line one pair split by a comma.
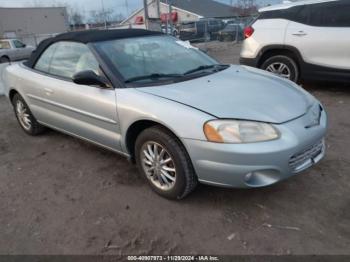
x,y
25,117
283,66
165,164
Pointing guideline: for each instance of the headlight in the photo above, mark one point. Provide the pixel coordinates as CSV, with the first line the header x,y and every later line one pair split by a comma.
x,y
238,132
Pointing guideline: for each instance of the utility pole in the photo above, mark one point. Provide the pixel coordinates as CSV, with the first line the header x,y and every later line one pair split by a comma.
x,y
145,7
169,16
167,20
104,13
127,8
158,8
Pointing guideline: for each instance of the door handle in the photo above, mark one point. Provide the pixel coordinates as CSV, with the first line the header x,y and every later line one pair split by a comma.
x,y
300,33
48,91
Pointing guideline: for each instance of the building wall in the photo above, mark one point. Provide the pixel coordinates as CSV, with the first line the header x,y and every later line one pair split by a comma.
x,y
183,15
29,21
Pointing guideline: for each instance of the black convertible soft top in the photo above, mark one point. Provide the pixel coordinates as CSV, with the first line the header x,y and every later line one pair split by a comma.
x,y
88,36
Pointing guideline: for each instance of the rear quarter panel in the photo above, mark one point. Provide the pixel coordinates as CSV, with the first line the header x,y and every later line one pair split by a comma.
x,y
266,32
9,78
16,77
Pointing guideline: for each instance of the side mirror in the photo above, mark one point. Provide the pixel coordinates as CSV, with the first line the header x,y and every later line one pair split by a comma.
x,y
89,78
24,46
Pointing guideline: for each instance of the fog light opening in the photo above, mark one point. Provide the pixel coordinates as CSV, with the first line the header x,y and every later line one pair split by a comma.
x,y
262,178
248,177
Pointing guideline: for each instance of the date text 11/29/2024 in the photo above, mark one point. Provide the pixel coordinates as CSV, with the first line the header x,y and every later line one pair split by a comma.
x,y
173,258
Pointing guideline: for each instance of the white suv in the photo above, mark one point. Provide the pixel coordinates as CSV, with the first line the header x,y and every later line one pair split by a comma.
x,y
301,40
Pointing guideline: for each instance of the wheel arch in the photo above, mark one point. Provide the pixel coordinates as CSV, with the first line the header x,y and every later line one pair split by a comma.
x,y
7,57
135,129
12,93
273,50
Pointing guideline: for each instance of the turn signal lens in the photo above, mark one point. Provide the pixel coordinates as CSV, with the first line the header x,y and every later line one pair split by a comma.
x,y
211,134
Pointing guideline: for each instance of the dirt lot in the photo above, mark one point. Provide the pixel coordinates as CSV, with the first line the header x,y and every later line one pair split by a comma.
x,y
59,195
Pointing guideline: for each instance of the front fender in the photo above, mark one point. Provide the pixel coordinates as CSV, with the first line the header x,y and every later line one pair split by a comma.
x,y
184,121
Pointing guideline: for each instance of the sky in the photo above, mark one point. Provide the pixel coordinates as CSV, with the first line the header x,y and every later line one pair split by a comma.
x,y
87,5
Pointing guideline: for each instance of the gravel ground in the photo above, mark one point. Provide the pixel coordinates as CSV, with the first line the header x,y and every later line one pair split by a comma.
x,y
59,195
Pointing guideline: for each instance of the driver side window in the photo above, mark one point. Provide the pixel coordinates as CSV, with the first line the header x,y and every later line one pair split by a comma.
x,y
65,59
19,44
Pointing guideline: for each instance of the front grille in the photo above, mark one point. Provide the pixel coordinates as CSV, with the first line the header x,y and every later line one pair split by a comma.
x,y
306,158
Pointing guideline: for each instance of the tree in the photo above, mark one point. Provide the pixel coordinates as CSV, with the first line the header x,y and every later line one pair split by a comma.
x,y
97,17
118,17
107,15
75,16
246,7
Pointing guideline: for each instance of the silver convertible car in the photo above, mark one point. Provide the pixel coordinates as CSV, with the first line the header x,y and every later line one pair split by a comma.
x,y
172,109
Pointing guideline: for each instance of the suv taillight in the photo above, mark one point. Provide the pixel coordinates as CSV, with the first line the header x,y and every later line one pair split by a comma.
x,y
248,32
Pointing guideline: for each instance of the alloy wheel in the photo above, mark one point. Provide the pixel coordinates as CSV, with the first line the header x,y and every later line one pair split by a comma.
x,y
23,115
158,165
279,69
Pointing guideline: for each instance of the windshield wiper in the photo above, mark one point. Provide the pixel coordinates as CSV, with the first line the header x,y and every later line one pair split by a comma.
x,y
217,67
155,76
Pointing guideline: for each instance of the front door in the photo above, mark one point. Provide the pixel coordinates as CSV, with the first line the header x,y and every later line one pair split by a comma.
x,y
85,111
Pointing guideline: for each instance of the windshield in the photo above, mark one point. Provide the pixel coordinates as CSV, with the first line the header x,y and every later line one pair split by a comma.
x,y
5,45
156,56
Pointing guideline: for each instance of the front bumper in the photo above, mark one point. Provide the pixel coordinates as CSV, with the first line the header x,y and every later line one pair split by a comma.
x,y
260,164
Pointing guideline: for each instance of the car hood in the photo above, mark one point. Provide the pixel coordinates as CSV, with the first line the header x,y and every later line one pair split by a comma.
x,y
240,92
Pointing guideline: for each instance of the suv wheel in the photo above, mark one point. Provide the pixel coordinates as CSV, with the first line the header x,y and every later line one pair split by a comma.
x,y
164,162
282,66
25,118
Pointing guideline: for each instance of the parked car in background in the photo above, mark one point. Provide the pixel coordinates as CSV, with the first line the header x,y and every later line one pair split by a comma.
x,y
170,30
241,20
192,31
14,50
213,28
231,32
202,30
301,40
175,111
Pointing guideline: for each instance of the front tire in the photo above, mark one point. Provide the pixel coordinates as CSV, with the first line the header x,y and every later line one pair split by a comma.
x,y
165,164
25,117
283,66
